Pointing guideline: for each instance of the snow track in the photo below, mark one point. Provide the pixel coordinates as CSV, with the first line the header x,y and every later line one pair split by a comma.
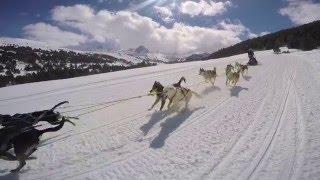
x,y
264,128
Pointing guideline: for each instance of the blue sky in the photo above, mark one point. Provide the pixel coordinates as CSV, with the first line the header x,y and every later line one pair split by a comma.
x,y
155,23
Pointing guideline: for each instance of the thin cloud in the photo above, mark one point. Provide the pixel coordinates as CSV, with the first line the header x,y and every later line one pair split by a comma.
x,y
301,12
53,35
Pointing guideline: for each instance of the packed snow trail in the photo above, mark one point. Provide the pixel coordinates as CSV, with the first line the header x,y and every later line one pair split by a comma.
x,y
266,127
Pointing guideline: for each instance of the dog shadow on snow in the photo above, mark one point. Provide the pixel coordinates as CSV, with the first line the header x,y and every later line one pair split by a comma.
x,y
170,125
234,91
9,176
209,90
247,78
154,119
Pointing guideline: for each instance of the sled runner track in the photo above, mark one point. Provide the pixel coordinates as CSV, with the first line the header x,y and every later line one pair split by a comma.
x,y
107,125
296,168
234,165
285,144
175,70
240,134
271,136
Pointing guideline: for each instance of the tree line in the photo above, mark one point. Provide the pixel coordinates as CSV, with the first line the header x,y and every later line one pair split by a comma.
x,y
42,65
305,37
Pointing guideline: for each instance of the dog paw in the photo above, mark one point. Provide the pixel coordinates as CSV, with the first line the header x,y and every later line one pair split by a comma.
x,y
14,171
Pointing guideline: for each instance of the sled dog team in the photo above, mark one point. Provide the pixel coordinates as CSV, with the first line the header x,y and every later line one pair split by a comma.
x,y
176,93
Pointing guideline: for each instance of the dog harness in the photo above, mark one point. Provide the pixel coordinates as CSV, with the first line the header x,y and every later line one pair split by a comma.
x,y
184,94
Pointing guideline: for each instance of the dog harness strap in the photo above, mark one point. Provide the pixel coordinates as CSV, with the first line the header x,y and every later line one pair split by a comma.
x,y
175,93
184,94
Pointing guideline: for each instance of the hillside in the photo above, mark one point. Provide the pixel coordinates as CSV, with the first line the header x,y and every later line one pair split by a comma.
x,y
305,37
23,64
266,127
25,61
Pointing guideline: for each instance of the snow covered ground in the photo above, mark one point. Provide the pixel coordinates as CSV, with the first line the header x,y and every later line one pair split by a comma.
x,y
267,127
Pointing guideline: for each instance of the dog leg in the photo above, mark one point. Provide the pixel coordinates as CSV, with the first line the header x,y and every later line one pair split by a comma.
x,y
169,104
212,82
22,162
227,82
163,101
235,83
31,152
156,102
187,103
8,155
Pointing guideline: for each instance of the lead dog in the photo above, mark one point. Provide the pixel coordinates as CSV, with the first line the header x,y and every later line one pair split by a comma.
x,y
173,94
208,75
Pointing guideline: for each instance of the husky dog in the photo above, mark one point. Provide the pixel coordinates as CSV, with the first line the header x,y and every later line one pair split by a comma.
x,y
243,68
27,142
229,68
173,94
209,75
232,74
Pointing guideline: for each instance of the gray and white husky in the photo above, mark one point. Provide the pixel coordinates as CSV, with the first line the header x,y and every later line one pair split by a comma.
x,y
209,75
175,95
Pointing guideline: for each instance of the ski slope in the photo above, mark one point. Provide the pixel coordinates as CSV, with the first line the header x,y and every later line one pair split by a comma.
x,y
266,127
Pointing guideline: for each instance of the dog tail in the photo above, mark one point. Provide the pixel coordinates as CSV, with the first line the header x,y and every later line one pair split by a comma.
x,y
59,104
196,94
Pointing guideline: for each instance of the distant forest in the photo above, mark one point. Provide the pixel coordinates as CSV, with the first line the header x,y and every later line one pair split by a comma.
x,y
305,37
20,65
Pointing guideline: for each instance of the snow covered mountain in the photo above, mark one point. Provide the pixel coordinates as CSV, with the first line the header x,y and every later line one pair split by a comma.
x,y
141,53
26,43
23,61
266,127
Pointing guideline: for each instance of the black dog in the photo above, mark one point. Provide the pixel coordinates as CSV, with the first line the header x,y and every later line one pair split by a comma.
x,y
27,142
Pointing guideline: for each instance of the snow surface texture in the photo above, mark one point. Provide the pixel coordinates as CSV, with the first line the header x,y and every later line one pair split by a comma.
x,y
267,127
